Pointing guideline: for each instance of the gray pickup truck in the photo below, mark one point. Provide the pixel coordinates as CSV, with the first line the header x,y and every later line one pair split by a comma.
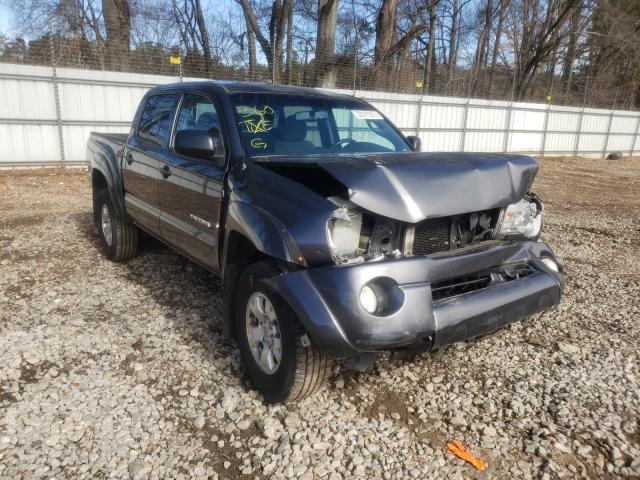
x,y
334,237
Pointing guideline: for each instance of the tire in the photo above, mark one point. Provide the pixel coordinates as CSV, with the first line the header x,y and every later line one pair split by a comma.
x,y
301,370
120,241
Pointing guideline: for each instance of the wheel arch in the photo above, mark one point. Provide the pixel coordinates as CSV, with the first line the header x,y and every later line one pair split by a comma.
x,y
101,180
252,234
239,253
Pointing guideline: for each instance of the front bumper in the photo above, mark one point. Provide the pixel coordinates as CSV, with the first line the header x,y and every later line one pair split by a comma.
x,y
326,299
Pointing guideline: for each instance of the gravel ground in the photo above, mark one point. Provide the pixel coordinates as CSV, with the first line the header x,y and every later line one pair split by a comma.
x,y
119,370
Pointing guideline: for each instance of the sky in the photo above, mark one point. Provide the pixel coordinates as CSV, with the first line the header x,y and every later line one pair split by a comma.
x,y
9,28
6,21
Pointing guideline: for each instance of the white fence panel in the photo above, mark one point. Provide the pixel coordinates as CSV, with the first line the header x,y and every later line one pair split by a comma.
x,y
622,143
28,143
560,142
442,116
47,119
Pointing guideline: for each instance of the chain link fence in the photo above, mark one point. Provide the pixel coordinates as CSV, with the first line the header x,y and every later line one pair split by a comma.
x,y
355,71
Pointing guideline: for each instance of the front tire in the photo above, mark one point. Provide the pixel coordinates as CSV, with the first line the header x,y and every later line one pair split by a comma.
x,y
271,341
118,237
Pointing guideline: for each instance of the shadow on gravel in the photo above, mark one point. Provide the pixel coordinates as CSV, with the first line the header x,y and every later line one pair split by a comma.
x,y
181,287
190,297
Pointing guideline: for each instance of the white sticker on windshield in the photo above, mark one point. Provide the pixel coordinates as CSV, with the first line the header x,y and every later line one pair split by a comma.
x,y
366,114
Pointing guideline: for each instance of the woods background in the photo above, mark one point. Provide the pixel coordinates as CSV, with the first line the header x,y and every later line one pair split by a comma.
x,y
566,52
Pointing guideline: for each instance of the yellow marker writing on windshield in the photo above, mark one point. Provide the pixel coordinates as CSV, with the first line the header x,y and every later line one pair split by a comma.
x,y
260,126
258,143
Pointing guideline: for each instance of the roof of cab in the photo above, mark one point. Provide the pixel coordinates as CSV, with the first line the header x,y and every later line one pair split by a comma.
x,y
249,87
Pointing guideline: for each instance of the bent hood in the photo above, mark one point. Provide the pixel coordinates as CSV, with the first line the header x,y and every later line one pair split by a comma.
x,y
411,187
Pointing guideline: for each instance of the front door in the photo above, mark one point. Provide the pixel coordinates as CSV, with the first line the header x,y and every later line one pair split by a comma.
x,y
191,189
141,165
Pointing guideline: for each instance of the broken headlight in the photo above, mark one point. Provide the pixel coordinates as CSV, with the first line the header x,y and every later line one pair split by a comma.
x,y
343,232
522,219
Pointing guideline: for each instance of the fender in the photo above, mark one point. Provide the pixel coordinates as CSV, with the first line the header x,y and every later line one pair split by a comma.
x,y
267,234
107,162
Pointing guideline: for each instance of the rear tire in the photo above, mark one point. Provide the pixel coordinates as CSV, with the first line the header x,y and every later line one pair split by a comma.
x,y
297,371
118,237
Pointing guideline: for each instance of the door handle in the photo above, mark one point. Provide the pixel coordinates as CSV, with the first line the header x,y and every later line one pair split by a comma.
x,y
129,158
166,171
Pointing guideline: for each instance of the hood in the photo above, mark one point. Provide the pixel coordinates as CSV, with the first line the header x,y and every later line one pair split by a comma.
x,y
411,187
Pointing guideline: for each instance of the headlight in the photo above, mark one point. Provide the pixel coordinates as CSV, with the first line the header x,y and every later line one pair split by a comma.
x,y
522,219
344,233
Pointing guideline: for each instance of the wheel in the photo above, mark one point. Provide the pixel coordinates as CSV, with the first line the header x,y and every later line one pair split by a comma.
x,y
280,361
118,238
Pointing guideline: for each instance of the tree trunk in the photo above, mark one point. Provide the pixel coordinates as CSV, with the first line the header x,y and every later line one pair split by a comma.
x,y
117,20
483,45
277,25
290,43
496,44
453,43
325,71
429,61
251,49
204,38
385,38
570,53
265,44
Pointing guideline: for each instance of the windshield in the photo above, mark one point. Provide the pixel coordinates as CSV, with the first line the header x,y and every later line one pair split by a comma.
x,y
303,125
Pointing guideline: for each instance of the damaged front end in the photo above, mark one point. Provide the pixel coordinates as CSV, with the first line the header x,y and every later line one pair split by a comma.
x,y
356,235
412,267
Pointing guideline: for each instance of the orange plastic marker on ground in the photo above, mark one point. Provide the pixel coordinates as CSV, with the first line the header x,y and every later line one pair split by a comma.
x,y
459,450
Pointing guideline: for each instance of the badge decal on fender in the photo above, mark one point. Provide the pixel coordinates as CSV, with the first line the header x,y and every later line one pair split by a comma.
x,y
200,220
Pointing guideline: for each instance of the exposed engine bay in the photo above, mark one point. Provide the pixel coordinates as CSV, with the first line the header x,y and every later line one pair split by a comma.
x,y
357,235
379,237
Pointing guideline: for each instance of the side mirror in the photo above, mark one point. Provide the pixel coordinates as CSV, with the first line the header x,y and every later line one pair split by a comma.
x,y
415,142
197,143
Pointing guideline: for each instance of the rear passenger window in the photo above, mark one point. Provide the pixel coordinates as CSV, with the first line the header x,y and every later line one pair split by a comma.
x,y
155,122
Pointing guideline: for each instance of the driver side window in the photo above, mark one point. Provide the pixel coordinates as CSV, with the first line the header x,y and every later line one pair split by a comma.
x,y
197,113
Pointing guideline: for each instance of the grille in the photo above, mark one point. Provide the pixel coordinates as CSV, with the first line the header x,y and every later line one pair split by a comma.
x,y
448,233
432,236
471,283
458,286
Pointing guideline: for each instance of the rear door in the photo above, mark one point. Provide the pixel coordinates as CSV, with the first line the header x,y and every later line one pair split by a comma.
x,y
191,189
146,148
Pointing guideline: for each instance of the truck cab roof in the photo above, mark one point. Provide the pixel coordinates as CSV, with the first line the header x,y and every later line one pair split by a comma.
x,y
230,87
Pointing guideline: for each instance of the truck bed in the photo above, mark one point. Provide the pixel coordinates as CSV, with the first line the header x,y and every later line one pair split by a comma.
x,y
115,138
109,145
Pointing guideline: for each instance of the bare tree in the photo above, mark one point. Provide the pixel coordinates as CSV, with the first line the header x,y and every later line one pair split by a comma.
x,y
389,41
385,38
117,21
325,72
571,49
429,61
578,50
536,36
272,46
502,10
251,48
204,37
289,69
482,48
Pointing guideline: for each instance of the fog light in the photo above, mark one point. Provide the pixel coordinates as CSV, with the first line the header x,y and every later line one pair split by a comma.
x,y
368,299
551,264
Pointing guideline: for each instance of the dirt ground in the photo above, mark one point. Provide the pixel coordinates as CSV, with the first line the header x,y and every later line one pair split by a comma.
x,y
119,370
